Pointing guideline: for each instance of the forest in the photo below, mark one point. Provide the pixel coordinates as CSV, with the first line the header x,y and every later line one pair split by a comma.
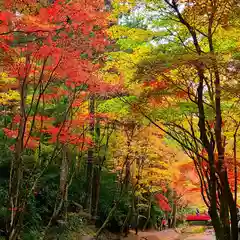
x,y
116,114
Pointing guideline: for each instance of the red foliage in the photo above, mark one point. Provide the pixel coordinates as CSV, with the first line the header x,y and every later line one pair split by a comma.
x,y
65,32
62,33
10,133
181,94
162,202
156,85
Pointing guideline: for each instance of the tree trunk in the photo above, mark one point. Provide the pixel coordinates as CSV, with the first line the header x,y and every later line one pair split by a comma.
x,y
96,190
61,205
64,181
235,162
209,147
126,221
174,215
127,173
224,216
232,208
89,176
16,172
107,219
96,171
149,212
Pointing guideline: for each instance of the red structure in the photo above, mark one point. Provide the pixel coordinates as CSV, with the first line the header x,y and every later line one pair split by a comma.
x,y
199,217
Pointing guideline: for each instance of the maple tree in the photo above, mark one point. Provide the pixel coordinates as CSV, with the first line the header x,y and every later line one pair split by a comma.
x,y
48,47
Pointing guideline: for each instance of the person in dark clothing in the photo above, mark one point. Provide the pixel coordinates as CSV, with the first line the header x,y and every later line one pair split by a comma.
x,y
169,222
135,223
197,212
158,223
136,230
164,223
238,219
126,230
209,211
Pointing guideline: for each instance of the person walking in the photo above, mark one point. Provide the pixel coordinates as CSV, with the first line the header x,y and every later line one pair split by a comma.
x,y
169,222
126,230
158,223
164,223
135,223
197,212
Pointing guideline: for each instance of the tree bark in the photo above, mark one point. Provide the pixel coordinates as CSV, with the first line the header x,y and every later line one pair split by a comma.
x,y
64,173
16,172
96,190
235,162
89,176
174,215
96,170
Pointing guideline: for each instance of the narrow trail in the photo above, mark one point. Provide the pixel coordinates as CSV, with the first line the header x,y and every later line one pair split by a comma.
x,y
154,235
169,235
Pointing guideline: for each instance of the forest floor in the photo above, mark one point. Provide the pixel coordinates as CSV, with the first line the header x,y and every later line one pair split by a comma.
x,y
170,235
187,233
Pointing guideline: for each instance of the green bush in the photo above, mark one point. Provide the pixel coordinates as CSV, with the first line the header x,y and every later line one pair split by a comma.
x,y
31,234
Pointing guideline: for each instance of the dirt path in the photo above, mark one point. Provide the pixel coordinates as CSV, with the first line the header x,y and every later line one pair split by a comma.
x,y
200,237
169,235
154,235
162,235
208,235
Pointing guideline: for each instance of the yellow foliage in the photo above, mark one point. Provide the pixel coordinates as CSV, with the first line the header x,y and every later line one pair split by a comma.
x,y
6,95
10,96
4,79
125,64
116,32
150,158
120,7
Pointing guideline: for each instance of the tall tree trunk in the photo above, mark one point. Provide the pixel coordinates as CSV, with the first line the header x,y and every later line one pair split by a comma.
x,y
96,190
210,150
227,203
127,173
232,208
89,176
235,162
174,215
221,163
96,170
224,215
62,204
16,171
99,161
149,211
127,166
64,182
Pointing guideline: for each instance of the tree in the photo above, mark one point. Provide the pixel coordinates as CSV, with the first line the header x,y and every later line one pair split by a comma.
x,y
215,183
48,46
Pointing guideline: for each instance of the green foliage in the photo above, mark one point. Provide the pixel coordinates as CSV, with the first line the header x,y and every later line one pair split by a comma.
x,y
32,234
116,106
126,44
